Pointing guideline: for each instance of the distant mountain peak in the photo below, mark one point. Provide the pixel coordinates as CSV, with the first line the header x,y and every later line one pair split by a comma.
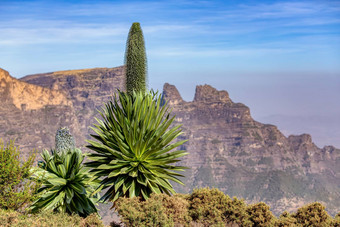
x,y
171,94
4,74
206,93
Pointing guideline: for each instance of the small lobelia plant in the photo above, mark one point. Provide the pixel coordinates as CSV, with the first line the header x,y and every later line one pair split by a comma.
x,y
66,184
133,152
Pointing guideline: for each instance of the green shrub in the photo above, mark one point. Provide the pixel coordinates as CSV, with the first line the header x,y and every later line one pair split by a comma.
x,y
208,206
10,218
336,221
313,214
93,220
159,209
176,207
285,220
212,207
16,188
236,212
337,216
260,215
134,212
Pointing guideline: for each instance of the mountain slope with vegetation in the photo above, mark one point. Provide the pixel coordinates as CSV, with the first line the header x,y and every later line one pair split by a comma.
x,y
227,148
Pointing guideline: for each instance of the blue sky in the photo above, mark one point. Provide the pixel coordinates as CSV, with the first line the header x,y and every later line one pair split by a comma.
x,y
281,58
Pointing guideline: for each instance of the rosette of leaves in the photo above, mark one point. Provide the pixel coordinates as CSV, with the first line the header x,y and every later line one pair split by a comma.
x,y
133,152
66,184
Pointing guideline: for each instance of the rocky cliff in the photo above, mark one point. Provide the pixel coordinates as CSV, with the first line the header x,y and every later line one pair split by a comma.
x,y
228,149
27,96
88,89
31,114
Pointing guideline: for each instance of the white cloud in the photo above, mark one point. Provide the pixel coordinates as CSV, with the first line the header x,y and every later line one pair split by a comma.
x,y
199,53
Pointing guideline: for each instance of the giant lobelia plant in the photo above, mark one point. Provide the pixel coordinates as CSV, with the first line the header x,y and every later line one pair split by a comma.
x,y
133,149
67,185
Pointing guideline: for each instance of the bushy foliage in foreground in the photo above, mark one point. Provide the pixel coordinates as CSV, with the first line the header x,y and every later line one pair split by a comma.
x,y
208,206
134,212
285,220
10,218
336,221
260,215
211,207
158,210
313,214
16,189
204,207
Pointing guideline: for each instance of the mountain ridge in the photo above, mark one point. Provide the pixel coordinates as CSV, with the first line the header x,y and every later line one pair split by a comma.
x,y
27,96
227,148
244,147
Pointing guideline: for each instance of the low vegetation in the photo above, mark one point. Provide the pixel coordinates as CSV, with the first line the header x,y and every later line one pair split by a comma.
x,y
211,207
10,218
203,207
16,188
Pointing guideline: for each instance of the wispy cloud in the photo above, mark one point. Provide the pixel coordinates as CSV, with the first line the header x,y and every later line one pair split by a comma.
x,y
176,52
20,32
290,9
192,29
44,32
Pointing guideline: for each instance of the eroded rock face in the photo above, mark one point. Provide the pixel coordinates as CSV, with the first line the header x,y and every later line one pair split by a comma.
x,y
242,157
88,89
227,148
27,96
171,94
206,93
29,114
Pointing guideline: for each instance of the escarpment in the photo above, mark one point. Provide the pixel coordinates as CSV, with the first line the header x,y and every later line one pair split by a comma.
x,y
26,96
227,148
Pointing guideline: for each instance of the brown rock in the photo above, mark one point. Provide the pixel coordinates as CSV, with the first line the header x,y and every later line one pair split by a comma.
x,y
27,96
171,94
206,93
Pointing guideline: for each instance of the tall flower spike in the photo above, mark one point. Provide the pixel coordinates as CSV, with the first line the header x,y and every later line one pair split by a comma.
x,y
64,140
135,61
